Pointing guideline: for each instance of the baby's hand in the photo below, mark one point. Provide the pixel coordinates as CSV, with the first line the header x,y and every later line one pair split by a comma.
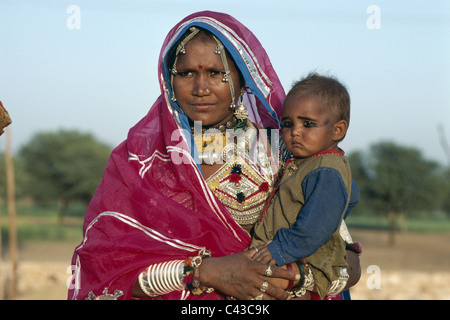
x,y
263,255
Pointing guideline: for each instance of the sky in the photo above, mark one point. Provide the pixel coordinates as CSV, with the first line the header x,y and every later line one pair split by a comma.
x,y
91,65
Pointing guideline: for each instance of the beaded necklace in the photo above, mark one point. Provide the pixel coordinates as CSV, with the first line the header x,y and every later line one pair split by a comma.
x,y
222,143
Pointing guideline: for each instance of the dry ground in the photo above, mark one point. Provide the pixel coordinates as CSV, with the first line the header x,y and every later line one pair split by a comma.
x,y
417,267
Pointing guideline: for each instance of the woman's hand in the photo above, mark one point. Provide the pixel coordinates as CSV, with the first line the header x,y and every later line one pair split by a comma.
x,y
262,254
238,276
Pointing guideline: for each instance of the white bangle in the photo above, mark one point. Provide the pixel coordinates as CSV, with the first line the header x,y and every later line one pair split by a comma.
x,y
162,278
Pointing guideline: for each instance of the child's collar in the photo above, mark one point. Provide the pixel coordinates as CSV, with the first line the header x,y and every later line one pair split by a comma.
x,y
337,152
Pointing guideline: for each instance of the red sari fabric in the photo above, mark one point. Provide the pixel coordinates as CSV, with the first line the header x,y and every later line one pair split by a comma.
x,y
153,204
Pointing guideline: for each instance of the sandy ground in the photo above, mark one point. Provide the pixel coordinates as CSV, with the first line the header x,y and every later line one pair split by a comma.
x,y
416,267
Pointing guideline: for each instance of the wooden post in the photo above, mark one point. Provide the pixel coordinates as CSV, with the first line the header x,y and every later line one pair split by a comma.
x,y
5,120
443,140
12,215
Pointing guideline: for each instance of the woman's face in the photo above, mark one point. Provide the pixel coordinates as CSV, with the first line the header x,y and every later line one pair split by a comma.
x,y
200,91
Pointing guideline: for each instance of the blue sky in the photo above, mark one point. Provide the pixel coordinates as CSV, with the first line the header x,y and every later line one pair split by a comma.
x,y
394,57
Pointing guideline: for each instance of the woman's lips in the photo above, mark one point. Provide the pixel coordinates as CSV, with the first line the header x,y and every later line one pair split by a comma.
x,y
202,107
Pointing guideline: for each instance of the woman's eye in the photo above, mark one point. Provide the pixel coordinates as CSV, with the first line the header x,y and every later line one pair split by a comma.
x,y
185,74
216,73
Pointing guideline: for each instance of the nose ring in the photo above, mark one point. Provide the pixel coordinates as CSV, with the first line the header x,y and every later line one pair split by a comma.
x,y
207,90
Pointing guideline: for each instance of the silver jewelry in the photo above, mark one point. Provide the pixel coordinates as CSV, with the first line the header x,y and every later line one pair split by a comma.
x,y
162,278
268,272
197,128
264,286
308,284
338,285
181,50
256,249
258,297
209,157
229,152
298,293
232,150
241,112
220,50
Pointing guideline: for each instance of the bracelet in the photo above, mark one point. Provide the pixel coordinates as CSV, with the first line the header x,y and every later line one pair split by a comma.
x,y
192,273
176,275
291,282
162,278
338,285
306,280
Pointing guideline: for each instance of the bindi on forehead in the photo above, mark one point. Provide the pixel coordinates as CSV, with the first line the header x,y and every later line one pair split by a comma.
x,y
200,66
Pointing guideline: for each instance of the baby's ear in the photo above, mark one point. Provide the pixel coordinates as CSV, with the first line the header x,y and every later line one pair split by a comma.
x,y
340,130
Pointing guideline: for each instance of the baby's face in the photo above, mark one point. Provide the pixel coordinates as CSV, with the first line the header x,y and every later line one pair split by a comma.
x,y
308,125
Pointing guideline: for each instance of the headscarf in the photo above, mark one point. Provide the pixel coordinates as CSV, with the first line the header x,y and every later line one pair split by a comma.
x,y
153,204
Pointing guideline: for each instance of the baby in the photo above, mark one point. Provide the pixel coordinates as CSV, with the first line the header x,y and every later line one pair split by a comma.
x,y
302,218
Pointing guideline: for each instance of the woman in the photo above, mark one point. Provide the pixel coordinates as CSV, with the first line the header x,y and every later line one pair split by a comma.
x,y
159,225
153,204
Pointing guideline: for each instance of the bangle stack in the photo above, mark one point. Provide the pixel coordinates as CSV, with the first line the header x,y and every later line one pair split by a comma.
x,y
306,280
162,278
176,275
192,273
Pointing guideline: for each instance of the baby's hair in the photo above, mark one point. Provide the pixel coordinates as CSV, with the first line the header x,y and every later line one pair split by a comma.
x,y
327,88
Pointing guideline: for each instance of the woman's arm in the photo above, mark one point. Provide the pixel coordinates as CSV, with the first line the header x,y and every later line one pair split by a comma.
x,y
237,276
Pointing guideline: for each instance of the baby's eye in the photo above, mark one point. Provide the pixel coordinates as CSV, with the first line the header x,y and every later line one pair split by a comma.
x,y
286,124
309,124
